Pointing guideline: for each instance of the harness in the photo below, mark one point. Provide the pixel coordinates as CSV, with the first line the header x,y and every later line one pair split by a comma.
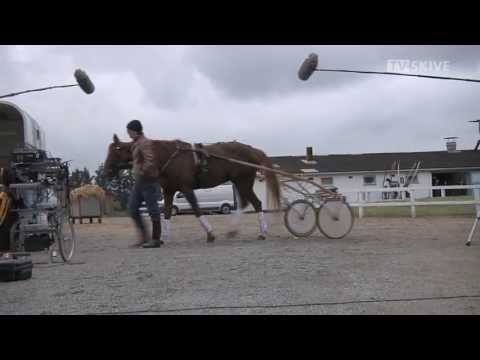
x,y
200,159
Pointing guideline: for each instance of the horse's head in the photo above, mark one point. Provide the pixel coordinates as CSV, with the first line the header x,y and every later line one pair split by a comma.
x,y
119,157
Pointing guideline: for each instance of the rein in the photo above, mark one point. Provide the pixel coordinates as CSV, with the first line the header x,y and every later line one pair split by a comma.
x,y
173,156
259,167
275,171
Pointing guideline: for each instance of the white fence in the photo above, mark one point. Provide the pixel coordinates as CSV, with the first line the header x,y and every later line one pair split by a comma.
x,y
362,196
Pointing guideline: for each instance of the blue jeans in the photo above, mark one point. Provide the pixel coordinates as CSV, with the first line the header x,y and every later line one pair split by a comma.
x,y
148,192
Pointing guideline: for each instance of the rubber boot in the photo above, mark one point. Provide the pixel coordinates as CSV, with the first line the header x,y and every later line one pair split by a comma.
x,y
143,236
155,242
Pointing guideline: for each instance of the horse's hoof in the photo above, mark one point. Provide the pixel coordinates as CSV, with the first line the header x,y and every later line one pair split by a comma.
x,y
232,234
210,238
468,244
262,237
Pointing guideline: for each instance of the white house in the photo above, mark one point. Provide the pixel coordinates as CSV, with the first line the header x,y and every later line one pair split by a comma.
x,y
367,171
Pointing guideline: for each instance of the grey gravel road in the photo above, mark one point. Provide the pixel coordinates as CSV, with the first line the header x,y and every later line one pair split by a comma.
x,y
385,266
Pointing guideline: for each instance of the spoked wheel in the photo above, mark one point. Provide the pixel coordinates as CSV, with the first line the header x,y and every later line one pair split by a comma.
x,y
335,219
300,218
65,237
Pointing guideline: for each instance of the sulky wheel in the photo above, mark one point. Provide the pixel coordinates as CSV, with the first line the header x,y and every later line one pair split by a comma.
x,y
335,219
300,218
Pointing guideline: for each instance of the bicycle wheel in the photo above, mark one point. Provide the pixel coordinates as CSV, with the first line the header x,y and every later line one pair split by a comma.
x,y
300,218
16,243
66,238
335,219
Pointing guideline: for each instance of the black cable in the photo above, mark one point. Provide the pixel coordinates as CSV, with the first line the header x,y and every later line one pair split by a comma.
x,y
284,305
399,74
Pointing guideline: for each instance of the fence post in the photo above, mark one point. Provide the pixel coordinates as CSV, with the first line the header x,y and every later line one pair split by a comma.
x,y
442,192
476,197
412,204
360,208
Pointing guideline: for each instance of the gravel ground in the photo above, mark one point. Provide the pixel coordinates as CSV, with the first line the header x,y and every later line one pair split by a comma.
x,y
385,266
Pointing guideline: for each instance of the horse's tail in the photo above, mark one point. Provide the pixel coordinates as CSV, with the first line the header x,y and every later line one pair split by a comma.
x,y
273,185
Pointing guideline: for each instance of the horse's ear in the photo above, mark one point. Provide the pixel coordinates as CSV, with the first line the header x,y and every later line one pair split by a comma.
x,y
116,140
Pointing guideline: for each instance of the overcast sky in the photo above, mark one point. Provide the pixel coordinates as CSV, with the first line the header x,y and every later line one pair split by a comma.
x,y
247,93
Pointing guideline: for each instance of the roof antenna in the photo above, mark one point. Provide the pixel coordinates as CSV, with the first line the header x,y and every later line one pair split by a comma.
x,y
478,142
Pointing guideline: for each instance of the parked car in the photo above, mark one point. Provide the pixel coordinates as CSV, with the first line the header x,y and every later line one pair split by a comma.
x,y
220,199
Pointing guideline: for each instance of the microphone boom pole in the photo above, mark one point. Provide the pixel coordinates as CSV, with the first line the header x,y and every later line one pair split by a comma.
x,y
310,64
41,89
83,81
400,74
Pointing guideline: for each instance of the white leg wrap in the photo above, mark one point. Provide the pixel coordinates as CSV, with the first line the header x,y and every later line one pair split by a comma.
x,y
237,215
166,230
204,222
263,223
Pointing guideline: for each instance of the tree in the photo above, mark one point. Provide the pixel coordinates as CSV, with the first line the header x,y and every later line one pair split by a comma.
x,y
100,178
79,178
120,186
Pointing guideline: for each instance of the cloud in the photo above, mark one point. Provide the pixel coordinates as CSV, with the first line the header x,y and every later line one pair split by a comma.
x,y
246,72
245,93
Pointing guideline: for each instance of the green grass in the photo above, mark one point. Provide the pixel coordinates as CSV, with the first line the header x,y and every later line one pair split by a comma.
x,y
423,210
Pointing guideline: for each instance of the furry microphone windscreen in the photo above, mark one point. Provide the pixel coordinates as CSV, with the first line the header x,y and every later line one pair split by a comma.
x,y
308,67
84,81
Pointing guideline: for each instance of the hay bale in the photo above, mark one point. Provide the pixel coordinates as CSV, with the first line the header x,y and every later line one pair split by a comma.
x,y
88,191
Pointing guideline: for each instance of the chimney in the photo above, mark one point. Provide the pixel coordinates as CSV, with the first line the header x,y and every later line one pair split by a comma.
x,y
309,153
451,144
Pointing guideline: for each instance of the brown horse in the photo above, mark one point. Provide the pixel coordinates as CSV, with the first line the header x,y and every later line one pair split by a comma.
x,y
179,171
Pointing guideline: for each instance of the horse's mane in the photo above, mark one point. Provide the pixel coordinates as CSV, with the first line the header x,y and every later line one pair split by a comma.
x,y
170,144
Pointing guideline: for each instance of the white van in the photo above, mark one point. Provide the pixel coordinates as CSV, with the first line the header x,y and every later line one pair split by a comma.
x,y
220,199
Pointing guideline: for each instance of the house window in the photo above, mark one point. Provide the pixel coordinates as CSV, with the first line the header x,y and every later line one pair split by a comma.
x,y
327,180
369,180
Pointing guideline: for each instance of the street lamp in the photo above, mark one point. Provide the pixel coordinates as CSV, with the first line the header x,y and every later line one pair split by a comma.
x,y
83,81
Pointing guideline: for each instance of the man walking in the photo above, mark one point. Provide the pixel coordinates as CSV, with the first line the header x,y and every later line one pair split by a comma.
x,y
146,186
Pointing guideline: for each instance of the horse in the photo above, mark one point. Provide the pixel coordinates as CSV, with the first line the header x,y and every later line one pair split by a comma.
x,y
180,170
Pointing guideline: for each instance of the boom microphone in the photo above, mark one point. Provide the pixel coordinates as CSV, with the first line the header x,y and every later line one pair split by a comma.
x,y
308,67
84,81
310,64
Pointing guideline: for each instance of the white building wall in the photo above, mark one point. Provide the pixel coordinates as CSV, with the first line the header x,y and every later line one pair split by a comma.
x,y
474,177
424,179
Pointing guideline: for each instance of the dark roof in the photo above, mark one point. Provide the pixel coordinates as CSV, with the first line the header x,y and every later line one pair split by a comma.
x,y
380,161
